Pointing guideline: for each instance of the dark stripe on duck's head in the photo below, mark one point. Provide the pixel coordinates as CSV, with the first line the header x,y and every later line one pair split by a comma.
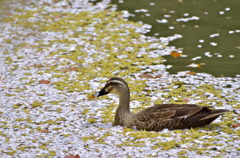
x,y
116,81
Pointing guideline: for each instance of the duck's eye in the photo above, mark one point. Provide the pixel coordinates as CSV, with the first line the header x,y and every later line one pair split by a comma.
x,y
108,88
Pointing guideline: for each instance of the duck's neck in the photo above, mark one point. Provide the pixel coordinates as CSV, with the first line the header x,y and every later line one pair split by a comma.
x,y
124,100
123,109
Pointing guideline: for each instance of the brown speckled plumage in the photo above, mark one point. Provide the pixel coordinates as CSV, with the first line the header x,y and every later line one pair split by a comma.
x,y
160,116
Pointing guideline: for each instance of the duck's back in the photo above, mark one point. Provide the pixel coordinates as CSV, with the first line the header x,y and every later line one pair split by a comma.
x,y
174,116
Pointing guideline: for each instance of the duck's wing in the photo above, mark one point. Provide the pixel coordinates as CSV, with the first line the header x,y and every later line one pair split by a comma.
x,y
173,110
190,110
174,116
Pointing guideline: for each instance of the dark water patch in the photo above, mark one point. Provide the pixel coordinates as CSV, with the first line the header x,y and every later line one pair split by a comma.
x,y
210,30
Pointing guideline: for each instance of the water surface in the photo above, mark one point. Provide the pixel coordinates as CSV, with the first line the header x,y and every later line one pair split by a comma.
x,y
210,30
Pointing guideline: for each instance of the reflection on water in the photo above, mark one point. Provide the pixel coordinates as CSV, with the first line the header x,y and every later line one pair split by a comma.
x,y
210,30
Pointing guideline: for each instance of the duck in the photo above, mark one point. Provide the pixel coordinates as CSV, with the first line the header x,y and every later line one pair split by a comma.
x,y
159,116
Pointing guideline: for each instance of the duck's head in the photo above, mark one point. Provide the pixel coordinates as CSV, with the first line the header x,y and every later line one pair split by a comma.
x,y
113,86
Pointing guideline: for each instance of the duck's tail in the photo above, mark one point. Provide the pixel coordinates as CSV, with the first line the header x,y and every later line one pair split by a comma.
x,y
203,117
212,114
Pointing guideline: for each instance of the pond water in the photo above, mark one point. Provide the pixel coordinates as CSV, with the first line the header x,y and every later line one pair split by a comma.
x,y
210,31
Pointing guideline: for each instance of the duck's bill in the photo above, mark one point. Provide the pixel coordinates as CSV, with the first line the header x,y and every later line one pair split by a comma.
x,y
95,95
100,93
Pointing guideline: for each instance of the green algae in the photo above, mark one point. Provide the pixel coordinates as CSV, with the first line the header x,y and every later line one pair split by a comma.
x,y
8,60
85,111
52,153
108,114
101,140
166,145
85,139
37,104
12,152
9,95
143,134
182,152
132,143
17,106
54,102
92,120
43,146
